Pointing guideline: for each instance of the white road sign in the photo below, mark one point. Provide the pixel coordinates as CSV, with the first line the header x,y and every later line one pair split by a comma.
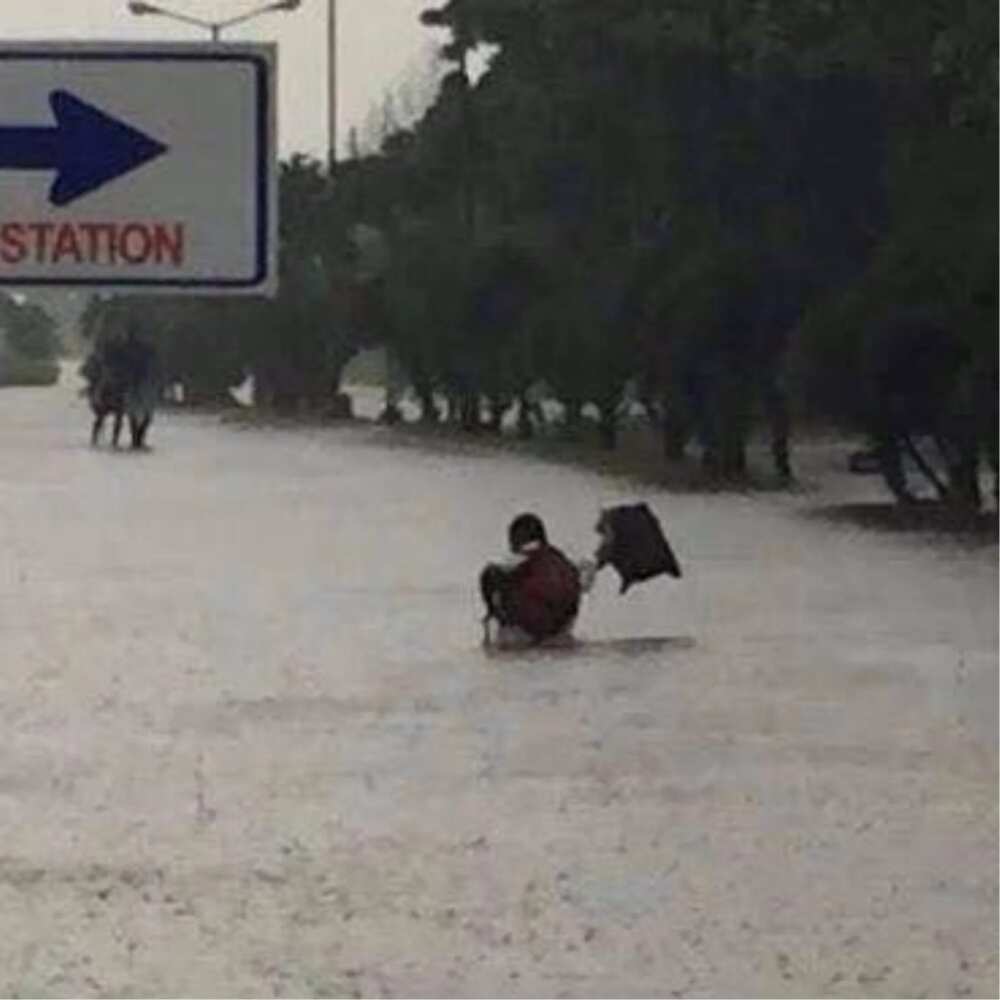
x,y
138,168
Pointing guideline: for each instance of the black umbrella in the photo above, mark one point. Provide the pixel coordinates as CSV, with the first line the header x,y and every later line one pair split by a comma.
x,y
635,545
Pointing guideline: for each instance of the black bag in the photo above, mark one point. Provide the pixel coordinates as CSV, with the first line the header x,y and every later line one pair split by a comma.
x,y
635,545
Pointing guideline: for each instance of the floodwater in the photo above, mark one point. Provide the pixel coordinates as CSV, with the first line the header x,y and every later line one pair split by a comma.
x,y
252,745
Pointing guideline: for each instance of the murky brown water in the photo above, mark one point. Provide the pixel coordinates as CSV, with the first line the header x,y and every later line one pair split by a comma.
x,y
252,745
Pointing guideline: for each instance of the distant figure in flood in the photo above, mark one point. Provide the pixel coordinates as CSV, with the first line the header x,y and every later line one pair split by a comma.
x,y
142,385
122,381
534,594
105,390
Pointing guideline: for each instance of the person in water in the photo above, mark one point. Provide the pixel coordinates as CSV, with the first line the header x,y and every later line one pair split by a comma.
x,y
533,594
139,364
122,380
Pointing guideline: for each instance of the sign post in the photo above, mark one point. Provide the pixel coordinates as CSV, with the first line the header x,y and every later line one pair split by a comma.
x,y
142,168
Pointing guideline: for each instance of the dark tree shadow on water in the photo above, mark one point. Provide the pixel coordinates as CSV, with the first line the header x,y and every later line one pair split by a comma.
x,y
922,517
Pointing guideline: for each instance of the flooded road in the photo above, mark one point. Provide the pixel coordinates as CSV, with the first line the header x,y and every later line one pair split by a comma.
x,y
252,745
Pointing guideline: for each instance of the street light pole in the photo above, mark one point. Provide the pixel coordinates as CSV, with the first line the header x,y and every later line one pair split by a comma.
x,y
331,84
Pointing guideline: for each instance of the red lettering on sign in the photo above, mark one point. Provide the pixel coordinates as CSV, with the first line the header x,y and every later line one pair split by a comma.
x,y
96,243
13,249
41,232
112,233
168,241
92,234
66,244
135,243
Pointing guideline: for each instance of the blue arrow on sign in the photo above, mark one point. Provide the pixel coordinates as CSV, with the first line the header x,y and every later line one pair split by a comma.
x,y
86,148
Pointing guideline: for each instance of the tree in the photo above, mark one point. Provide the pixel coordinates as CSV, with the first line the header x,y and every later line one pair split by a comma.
x,y
29,330
775,158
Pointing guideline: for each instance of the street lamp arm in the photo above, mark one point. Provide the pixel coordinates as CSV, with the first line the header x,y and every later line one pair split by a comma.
x,y
257,11
140,7
148,8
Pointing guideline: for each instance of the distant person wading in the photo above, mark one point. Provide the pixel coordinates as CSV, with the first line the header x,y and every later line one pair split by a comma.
x,y
121,373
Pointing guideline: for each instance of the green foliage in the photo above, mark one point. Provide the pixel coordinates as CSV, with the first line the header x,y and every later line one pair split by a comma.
x,y
28,344
27,331
691,188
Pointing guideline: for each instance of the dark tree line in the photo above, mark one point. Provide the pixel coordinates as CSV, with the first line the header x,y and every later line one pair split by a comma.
x,y
680,198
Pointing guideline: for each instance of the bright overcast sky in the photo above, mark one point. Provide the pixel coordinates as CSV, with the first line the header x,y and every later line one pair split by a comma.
x,y
381,44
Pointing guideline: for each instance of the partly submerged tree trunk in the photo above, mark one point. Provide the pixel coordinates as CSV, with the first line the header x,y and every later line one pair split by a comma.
x,y
391,414
525,425
608,426
470,417
429,413
675,427
728,417
675,439
497,407
776,410
573,413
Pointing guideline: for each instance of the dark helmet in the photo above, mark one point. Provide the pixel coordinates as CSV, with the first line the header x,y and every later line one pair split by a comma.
x,y
524,529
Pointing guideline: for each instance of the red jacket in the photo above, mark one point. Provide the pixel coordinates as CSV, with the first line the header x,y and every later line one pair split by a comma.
x,y
544,594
